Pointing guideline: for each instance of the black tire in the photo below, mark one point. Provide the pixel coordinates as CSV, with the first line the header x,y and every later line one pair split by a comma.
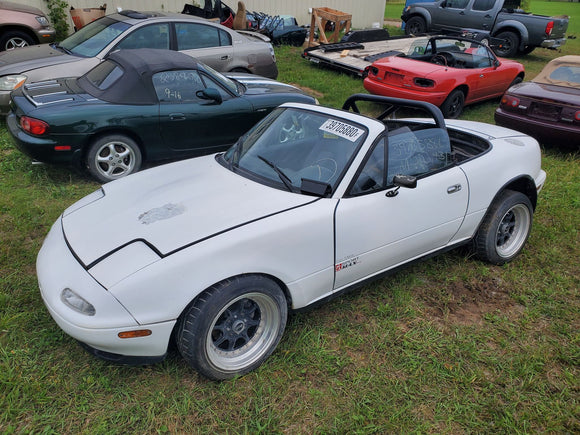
x,y
509,45
15,39
112,157
453,104
527,50
233,327
516,81
415,26
505,228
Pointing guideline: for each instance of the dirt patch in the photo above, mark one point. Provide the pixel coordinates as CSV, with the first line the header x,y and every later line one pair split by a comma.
x,y
466,303
309,91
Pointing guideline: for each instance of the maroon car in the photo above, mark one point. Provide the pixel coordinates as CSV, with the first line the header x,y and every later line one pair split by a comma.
x,y
548,107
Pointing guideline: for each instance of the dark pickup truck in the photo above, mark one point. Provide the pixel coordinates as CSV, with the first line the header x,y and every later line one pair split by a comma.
x,y
515,31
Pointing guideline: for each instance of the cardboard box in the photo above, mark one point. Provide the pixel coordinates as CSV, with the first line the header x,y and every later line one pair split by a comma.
x,y
82,17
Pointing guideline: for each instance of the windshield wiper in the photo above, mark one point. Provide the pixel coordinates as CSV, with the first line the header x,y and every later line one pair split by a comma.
x,y
60,47
287,182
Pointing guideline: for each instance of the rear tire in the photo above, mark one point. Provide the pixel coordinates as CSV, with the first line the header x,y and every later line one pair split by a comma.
x,y
453,104
509,47
233,326
505,228
112,157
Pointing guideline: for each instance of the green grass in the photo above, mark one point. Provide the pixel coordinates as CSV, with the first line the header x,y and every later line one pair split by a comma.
x,y
450,345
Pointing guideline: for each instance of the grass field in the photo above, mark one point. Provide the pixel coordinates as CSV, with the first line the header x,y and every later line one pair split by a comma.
x,y
450,345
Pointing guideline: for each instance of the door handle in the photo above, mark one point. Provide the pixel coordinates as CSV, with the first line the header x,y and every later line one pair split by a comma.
x,y
176,116
226,57
454,188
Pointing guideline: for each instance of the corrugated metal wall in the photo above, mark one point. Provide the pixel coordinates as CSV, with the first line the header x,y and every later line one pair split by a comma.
x,y
365,13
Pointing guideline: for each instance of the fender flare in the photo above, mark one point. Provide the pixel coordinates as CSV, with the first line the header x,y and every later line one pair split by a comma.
x,y
516,27
421,12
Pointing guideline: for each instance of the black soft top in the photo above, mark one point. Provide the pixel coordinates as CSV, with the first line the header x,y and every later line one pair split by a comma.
x,y
135,85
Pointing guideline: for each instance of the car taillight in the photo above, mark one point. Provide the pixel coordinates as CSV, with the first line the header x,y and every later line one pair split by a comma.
x,y
510,101
549,28
577,115
33,126
423,83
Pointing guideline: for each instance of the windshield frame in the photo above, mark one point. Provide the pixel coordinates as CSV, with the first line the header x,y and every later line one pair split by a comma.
x,y
313,148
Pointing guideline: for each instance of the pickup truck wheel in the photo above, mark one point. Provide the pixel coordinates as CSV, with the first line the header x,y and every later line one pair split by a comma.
x,y
509,45
453,104
14,39
415,26
233,326
505,228
112,157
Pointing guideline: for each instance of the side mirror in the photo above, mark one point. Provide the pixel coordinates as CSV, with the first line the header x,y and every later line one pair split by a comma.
x,y
443,4
407,181
210,94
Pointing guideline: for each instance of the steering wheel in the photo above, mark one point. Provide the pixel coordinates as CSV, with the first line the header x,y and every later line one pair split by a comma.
x,y
292,130
443,58
322,170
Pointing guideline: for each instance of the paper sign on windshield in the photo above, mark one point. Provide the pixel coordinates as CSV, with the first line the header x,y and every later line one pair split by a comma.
x,y
341,129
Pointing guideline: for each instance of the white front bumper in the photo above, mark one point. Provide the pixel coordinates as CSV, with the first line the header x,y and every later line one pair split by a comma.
x,y
57,269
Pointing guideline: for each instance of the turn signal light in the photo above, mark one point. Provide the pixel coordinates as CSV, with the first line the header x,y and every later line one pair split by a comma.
x,y
135,334
33,125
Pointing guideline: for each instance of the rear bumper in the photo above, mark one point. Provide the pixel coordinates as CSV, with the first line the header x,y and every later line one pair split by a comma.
x,y
374,87
544,131
553,43
41,149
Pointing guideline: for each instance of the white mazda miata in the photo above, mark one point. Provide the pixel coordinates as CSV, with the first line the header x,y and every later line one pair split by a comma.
x,y
212,252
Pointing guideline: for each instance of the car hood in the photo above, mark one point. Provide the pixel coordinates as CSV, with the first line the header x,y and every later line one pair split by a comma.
x,y
28,58
257,85
541,91
11,6
170,207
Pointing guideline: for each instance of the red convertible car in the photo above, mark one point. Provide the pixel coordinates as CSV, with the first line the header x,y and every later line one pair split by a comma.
x,y
548,107
446,71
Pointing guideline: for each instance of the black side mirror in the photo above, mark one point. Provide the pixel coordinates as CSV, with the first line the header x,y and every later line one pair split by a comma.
x,y
443,4
210,94
407,181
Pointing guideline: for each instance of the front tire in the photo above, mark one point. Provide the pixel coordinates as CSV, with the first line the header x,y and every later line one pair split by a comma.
x,y
15,39
233,327
415,26
112,157
505,228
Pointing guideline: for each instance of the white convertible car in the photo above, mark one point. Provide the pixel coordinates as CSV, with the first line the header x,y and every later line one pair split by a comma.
x,y
212,252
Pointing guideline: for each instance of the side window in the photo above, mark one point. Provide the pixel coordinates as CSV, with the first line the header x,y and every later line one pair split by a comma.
x,y
417,152
457,4
191,36
482,57
372,177
177,86
483,5
152,36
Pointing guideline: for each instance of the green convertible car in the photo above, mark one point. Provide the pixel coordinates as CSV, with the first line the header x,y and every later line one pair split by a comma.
x,y
140,106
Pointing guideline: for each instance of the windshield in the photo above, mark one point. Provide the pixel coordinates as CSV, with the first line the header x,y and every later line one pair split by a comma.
x,y
91,39
292,145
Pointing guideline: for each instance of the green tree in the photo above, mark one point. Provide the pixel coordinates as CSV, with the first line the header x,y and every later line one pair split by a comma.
x,y
58,17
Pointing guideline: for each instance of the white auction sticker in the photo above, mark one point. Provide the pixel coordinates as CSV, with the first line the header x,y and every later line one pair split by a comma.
x,y
341,129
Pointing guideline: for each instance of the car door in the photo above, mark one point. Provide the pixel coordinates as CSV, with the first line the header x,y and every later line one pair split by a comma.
x,y
378,228
189,122
486,79
449,16
210,44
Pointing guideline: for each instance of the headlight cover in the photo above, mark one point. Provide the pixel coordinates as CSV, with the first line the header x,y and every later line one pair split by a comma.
x,y
76,302
11,82
42,21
